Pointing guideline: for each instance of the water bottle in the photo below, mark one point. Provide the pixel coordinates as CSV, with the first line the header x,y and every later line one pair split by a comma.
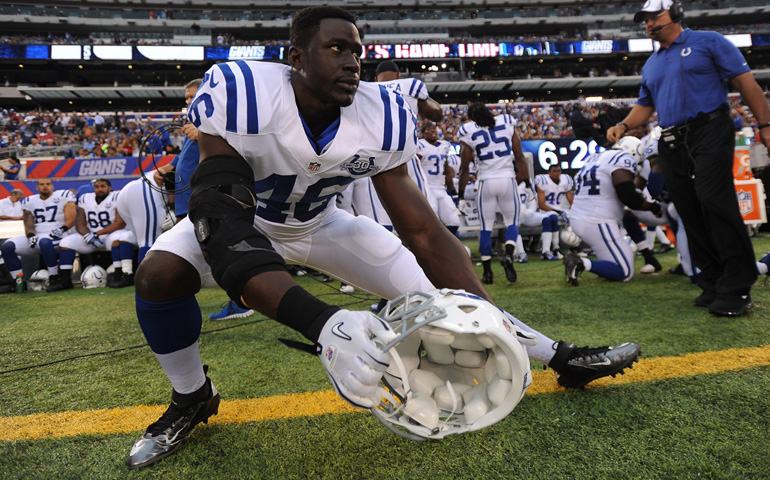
x,y
21,284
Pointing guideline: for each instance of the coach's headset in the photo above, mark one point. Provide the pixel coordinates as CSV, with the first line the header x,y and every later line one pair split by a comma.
x,y
676,12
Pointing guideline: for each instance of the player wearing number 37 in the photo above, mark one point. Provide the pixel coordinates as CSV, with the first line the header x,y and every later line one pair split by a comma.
x,y
277,144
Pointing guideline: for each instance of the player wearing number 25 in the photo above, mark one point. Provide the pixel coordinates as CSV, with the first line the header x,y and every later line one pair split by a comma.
x,y
48,216
99,227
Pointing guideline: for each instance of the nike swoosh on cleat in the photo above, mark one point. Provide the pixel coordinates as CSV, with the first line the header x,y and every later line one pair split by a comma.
x,y
338,331
606,361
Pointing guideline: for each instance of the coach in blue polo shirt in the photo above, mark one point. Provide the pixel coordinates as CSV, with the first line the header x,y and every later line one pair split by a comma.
x,y
686,81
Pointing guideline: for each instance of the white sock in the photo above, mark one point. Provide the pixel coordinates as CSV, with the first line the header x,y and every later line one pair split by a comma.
x,y
546,239
127,266
183,368
53,270
544,351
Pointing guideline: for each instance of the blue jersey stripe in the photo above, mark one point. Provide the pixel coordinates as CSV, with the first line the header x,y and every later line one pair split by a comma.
x,y
252,117
415,88
387,137
401,122
232,98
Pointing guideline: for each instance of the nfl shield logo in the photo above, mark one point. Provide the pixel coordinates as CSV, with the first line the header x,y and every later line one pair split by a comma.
x,y
745,202
314,166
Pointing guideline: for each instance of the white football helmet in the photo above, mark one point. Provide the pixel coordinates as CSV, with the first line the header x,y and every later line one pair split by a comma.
x,y
94,276
456,366
569,237
38,281
631,145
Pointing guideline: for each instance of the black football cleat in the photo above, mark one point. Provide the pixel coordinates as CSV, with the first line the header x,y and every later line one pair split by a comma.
x,y
577,366
510,272
125,280
573,267
57,283
488,278
165,436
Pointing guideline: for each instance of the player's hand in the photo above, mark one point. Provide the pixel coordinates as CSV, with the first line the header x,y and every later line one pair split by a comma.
x,y
32,241
56,233
93,240
354,362
159,178
656,209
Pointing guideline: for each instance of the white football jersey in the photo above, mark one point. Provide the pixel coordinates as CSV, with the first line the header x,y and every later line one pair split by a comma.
x,y
595,196
554,192
98,215
48,213
492,146
412,89
527,197
433,159
252,106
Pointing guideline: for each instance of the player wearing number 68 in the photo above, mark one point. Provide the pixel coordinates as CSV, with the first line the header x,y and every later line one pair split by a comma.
x,y
99,227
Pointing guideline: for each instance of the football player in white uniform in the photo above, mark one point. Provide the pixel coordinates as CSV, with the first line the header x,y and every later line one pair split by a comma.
x,y
99,227
532,216
277,144
10,209
604,185
554,194
415,93
493,141
434,155
141,206
48,216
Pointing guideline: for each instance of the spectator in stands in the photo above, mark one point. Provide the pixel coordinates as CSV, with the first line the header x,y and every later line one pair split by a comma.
x,y
10,207
13,169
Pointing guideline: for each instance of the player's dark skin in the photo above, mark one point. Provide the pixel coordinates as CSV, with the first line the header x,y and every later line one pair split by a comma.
x,y
324,78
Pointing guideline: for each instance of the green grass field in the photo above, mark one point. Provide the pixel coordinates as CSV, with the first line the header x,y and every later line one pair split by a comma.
x,y
67,356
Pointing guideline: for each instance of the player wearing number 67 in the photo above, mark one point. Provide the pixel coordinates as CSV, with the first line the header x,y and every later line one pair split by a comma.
x,y
48,216
603,186
99,227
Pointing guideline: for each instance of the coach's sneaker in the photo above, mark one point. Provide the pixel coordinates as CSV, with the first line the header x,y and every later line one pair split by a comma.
x,y
60,282
164,437
573,267
705,298
548,256
577,366
231,310
510,272
730,305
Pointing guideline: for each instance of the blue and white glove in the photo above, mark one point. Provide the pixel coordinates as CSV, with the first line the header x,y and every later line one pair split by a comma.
x,y
32,241
354,362
56,233
93,240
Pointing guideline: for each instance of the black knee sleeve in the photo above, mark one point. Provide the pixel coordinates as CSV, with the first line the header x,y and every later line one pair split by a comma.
x,y
222,207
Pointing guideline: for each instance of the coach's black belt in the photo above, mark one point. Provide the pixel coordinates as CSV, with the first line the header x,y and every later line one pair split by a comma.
x,y
676,134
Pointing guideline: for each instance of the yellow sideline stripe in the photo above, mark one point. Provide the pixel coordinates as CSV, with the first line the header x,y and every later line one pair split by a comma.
x,y
131,419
